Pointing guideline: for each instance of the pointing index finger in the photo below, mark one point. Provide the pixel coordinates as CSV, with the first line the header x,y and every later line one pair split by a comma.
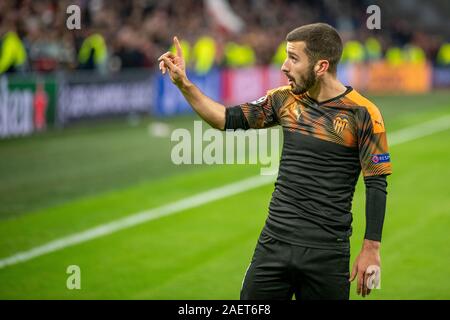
x,y
178,46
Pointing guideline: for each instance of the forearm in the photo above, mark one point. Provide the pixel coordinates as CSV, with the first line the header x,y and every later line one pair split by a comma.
x,y
209,110
375,207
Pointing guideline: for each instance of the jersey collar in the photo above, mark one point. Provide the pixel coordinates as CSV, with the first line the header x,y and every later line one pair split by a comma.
x,y
306,96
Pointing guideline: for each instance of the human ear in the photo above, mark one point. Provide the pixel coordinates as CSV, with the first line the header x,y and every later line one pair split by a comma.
x,y
321,67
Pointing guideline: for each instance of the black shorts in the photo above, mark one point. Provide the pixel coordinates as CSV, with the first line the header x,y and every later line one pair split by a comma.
x,y
279,270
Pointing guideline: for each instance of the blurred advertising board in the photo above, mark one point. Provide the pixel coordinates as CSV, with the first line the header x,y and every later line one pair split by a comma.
x,y
31,102
229,86
169,100
27,104
86,95
245,85
381,77
441,77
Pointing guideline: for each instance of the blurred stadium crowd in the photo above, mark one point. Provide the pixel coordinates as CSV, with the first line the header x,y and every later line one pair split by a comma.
x,y
119,34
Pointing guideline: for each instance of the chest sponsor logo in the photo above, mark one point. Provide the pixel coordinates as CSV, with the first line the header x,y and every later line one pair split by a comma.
x,y
381,158
340,123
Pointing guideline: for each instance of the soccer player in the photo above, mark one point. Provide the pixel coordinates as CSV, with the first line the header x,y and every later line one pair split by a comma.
x,y
331,134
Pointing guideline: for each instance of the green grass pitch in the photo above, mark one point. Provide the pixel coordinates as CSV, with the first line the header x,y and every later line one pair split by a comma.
x,y
58,183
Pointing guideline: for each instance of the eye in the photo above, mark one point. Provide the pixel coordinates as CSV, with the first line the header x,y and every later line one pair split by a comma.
x,y
293,59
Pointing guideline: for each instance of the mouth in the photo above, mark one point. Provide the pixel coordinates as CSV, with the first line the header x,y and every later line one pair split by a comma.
x,y
290,80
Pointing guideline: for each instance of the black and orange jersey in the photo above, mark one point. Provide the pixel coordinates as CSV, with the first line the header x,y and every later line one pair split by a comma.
x,y
326,146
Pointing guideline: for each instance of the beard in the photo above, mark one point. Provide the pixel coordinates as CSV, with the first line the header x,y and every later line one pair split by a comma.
x,y
306,82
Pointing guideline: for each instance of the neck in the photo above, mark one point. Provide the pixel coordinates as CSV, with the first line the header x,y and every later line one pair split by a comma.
x,y
326,88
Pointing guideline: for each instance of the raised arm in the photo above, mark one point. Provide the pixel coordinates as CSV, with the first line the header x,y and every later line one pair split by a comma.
x,y
209,110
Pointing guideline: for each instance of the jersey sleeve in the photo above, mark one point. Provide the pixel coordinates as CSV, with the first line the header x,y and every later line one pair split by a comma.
x,y
257,114
372,143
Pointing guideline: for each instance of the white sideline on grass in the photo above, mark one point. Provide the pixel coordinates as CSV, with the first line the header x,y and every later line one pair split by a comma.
x,y
397,137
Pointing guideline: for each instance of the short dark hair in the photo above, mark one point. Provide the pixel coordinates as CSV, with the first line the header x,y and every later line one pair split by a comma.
x,y
322,42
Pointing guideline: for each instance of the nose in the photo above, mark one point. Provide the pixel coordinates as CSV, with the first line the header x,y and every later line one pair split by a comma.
x,y
284,67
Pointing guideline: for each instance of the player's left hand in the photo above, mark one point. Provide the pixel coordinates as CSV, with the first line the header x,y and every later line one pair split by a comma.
x,y
369,256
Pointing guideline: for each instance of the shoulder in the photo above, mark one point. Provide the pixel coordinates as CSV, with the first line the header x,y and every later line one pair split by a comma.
x,y
360,102
284,90
272,94
280,97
